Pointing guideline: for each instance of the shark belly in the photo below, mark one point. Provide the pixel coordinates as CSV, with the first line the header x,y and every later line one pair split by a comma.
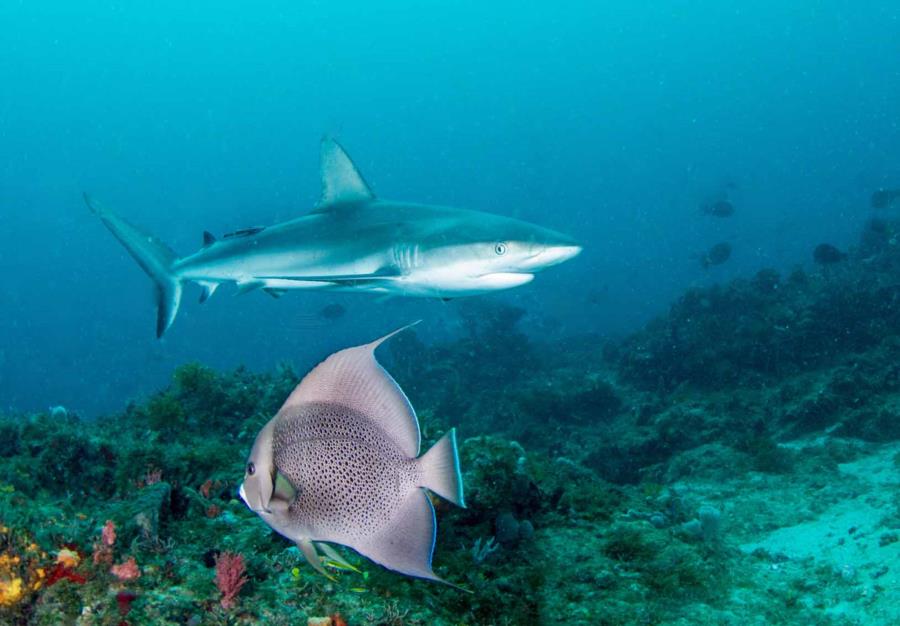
x,y
282,268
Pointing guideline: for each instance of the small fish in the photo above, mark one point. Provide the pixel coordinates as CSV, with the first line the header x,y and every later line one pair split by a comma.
x,y
719,208
827,254
333,311
716,255
339,464
883,198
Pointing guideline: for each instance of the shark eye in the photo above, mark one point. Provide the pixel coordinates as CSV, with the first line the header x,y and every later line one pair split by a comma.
x,y
251,469
500,248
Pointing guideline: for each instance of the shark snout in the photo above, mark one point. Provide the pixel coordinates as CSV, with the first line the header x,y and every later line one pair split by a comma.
x,y
548,256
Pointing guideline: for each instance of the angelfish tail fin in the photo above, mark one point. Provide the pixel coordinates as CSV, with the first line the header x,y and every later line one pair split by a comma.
x,y
440,469
154,257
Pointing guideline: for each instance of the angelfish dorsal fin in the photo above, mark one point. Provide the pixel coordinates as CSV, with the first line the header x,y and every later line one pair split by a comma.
x,y
353,378
341,181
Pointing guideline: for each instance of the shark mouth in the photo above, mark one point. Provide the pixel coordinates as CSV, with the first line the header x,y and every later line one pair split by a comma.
x,y
504,280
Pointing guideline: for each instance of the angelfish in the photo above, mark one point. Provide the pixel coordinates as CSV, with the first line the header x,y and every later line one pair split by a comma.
x,y
339,464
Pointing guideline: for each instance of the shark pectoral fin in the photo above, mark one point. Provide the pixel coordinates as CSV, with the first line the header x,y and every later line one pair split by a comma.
x,y
335,559
209,288
275,293
246,286
341,181
312,557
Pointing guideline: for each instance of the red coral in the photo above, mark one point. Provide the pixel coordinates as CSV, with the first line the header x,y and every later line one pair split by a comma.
x,y
108,535
61,571
229,577
103,550
338,620
128,570
124,600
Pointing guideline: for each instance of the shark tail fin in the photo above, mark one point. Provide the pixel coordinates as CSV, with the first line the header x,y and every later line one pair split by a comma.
x,y
154,257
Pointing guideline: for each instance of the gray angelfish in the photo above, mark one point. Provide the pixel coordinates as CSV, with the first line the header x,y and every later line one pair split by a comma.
x,y
340,464
352,241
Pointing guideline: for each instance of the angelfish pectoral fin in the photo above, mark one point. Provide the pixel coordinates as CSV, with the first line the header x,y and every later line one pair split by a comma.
x,y
334,559
283,490
312,557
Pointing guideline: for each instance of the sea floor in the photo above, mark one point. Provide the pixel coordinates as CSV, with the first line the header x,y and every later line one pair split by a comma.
x,y
826,541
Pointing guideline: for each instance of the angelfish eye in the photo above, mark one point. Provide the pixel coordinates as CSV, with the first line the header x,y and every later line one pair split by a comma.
x,y
500,248
251,468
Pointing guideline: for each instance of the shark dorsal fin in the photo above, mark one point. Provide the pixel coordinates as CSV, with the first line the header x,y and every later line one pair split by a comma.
x,y
208,238
341,181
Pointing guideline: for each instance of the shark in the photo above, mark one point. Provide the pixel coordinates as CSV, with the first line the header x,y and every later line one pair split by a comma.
x,y
354,241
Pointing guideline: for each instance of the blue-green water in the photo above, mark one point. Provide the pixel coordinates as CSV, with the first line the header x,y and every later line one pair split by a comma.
x,y
609,120
764,390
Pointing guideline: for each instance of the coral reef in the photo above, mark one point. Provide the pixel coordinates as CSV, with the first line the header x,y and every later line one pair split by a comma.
x,y
732,463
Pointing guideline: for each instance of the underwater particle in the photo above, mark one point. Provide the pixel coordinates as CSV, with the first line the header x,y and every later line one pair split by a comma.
x,y
883,198
719,208
716,255
827,254
348,440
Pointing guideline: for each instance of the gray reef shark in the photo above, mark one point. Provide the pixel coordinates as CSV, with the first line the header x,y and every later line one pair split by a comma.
x,y
352,241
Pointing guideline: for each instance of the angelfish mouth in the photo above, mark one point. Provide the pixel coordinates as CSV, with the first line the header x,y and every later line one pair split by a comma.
x,y
243,495
256,509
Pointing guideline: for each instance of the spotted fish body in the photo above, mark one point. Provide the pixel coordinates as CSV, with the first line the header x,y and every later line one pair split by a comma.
x,y
351,477
340,464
